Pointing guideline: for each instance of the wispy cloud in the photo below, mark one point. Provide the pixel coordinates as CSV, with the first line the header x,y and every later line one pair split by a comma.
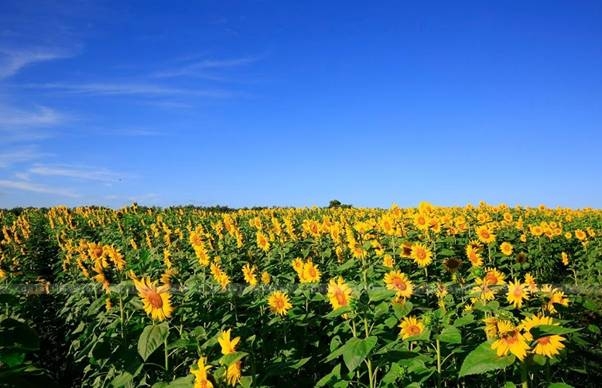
x,y
18,124
129,89
12,60
199,68
40,116
15,156
77,172
37,188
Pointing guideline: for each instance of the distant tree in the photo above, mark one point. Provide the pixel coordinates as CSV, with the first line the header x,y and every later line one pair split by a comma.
x,y
334,203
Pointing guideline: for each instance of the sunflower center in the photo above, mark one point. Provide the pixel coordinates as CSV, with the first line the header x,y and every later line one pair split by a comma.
x,y
518,292
543,340
279,303
400,284
414,330
340,298
154,299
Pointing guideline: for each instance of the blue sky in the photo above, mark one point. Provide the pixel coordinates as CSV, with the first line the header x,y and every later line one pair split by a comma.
x,y
297,103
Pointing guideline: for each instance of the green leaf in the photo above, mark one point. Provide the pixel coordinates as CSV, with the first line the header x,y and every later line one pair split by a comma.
x,y
182,382
231,358
12,359
484,359
300,363
560,385
381,293
329,379
464,320
338,312
509,384
450,335
125,379
395,372
539,360
356,351
152,337
544,330
402,310
17,335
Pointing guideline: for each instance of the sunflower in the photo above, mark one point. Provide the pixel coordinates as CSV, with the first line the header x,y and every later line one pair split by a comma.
x,y
506,248
406,250
155,299
452,264
510,340
200,374
421,254
521,258
279,302
580,234
490,327
565,258
474,256
530,282
494,277
388,261
485,234
228,345
410,327
248,272
262,241
533,321
549,346
399,282
482,289
421,221
233,373
517,292
311,273
297,265
265,277
339,293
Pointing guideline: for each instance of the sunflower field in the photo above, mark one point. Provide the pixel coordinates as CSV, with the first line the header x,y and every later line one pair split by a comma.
x,y
475,296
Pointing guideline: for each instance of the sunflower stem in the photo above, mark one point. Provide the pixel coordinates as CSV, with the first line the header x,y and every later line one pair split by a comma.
x,y
524,376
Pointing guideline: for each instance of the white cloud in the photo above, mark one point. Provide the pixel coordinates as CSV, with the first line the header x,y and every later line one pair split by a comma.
x,y
26,154
76,172
11,117
12,61
199,68
18,124
115,89
36,188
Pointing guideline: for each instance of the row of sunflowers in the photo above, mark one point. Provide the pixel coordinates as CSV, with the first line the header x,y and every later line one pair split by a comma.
x,y
427,296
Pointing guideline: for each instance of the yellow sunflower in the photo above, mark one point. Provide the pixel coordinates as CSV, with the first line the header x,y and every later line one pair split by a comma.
x,y
399,282
339,293
228,345
279,302
265,277
549,346
155,299
410,327
200,374
421,254
493,277
233,373
510,340
485,234
474,256
310,274
506,248
517,292
248,272
564,258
